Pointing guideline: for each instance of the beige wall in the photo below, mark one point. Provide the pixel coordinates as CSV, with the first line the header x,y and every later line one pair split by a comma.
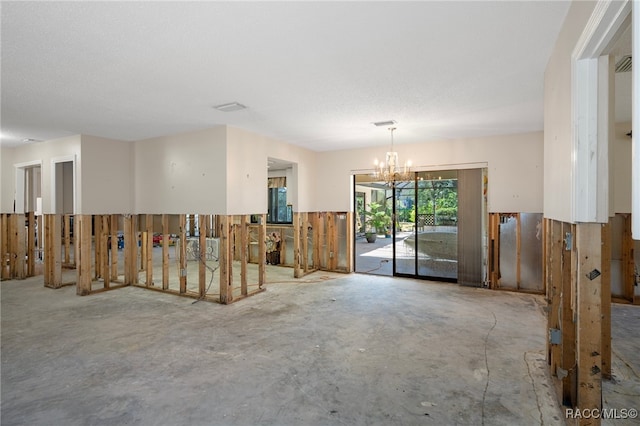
x,y
184,173
107,177
514,165
6,179
621,173
301,190
246,172
558,145
224,171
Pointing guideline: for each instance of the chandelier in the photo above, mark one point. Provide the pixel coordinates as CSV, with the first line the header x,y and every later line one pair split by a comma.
x,y
390,170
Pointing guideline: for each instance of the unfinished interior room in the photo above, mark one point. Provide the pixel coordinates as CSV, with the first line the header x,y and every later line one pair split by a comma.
x,y
319,213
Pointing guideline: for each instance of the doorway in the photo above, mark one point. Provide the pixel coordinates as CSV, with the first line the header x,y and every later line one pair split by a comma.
x,y
436,228
425,241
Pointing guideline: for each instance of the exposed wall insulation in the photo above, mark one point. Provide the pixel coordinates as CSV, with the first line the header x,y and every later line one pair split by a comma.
x,y
520,242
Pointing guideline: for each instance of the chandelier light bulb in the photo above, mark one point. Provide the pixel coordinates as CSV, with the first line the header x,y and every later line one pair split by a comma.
x,y
393,170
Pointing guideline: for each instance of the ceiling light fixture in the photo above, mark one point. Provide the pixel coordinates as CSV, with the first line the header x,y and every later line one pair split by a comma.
x,y
390,171
230,107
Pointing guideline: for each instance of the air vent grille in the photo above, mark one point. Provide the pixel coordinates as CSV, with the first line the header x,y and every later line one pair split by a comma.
x,y
624,64
230,107
384,123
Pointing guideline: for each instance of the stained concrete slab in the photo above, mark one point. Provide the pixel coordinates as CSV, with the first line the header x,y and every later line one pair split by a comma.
x,y
328,349
622,392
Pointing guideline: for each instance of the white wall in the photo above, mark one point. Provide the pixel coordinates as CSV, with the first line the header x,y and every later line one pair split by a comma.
x,y
106,176
514,165
558,145
181,174
44,152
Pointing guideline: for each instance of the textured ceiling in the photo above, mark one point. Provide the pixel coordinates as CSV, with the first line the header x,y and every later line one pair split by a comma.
x,y
314,74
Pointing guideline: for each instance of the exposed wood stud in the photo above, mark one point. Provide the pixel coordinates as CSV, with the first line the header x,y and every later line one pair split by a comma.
x,y
244,254
628,263
130,250
82,232
262,250
322,249
568,326
4,246
554,293
104,243
297,259
67,239
148,253
518,250
97,229
588,317
182,270
350,240
225,253
305,242
202,254
606,300
31,244
40,239
165,251
52,250
114,228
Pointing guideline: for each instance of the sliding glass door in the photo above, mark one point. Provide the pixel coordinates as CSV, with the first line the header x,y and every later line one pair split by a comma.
x,y
436,228
426,234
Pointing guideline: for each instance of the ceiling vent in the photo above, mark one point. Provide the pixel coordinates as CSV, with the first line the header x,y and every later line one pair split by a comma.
x,y
624,64
384,123
230,107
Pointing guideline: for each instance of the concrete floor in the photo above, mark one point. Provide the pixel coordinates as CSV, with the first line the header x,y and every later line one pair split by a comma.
x,y
328,349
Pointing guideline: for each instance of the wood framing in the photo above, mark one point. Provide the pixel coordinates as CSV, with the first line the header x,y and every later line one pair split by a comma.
x,y
69,262
165,251
19,246
244,253
589,317
226,259
82,231
554,290
606,300
52,251
262,250
297,256
98,240
182,261
628,262
114,228
148,250
518,250
4,246
203,227
130,249
105,264
349,239
567,325
31,244
98,248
